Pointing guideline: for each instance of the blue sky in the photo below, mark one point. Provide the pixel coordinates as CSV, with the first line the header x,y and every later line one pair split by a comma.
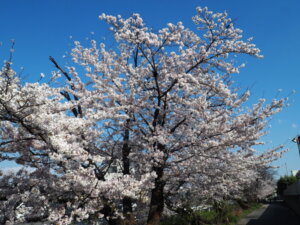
x,y
43,27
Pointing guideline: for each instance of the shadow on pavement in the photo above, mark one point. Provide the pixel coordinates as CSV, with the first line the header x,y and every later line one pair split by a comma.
x,y
276,214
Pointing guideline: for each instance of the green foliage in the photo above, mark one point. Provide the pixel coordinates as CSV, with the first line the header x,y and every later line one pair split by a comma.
x,y
285,181
208,216
225,213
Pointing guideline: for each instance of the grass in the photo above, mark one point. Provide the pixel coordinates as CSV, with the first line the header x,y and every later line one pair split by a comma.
x,y
245,212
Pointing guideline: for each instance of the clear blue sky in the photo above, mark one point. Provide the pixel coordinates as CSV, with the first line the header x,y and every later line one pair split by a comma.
x,y
43,27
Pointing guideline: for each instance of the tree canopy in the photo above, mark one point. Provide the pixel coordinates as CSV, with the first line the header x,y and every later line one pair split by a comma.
x,y
161,106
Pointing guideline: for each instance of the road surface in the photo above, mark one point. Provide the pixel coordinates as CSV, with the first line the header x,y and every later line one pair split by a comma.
x,y
273,214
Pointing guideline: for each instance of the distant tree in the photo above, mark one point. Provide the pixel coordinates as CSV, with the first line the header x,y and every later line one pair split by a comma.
x,y
284,182
162,106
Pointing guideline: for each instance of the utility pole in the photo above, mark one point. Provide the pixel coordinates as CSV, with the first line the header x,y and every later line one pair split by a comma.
x,y
297,140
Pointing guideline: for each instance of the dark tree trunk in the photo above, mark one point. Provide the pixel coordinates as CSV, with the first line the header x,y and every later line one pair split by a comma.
x,y
108,213
157,199
127,202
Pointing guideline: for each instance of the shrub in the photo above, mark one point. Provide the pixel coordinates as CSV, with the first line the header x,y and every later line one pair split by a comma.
x,y
226,212
284,182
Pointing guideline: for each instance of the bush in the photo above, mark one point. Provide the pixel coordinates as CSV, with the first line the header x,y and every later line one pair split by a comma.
x,y
225,213
284,182
221,213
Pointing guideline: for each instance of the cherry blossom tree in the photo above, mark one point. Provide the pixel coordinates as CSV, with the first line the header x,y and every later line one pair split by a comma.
x,y
161,106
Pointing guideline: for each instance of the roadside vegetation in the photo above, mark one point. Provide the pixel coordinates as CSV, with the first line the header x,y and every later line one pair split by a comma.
x,y
284,182
229,213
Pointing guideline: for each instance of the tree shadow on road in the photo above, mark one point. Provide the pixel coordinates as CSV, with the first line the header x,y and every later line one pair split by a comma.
x,y
276,214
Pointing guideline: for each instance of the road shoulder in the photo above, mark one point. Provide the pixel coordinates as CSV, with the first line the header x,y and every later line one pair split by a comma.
x,y
253,215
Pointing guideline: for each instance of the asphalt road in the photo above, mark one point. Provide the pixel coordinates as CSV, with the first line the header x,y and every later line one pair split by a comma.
x,y
273,214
